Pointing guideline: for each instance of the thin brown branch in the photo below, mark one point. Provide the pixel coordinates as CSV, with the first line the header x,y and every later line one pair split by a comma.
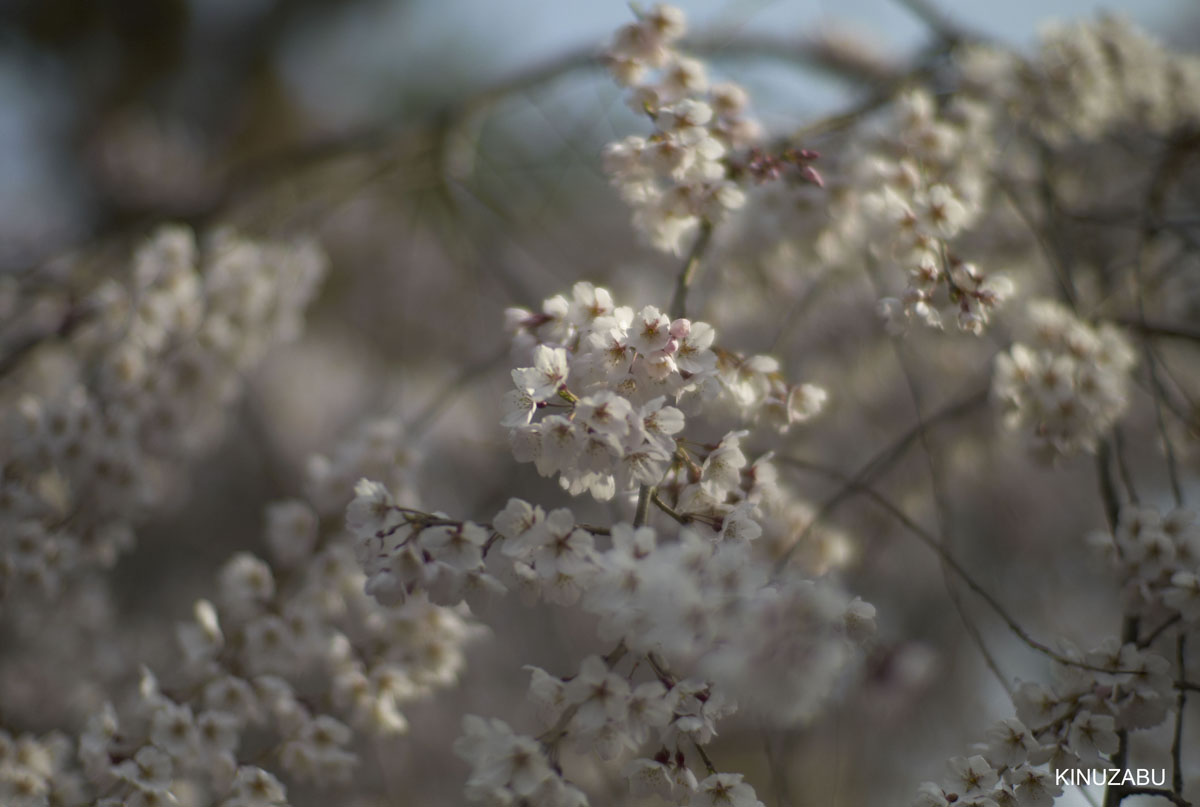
x,y
1149,639
1114,795
1165,330
645,493
687,273
932,542
938,21
247,177
1180,708
941,498
885,458
670,511
1177,152
1108,487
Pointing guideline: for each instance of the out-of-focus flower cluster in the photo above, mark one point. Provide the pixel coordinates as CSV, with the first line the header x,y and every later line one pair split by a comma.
x,y
1064,382
778,648
508,768
142,383
700,603
1158,557
282,666
703,602
717,592
1089,77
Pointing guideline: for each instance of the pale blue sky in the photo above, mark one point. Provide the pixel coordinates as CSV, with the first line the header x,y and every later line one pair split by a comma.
x,y
343,67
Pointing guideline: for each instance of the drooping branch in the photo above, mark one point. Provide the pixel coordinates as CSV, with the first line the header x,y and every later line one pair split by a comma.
x,y
886,457
946,557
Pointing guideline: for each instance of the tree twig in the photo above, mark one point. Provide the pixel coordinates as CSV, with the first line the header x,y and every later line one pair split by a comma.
x,y
645,493
932,542
687,273
938,21
1180,706
883,459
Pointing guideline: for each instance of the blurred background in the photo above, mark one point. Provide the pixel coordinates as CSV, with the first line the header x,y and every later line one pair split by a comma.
x,y
446,155
111,110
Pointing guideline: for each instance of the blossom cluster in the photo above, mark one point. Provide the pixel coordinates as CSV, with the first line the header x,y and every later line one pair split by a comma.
x,y
1071,725
39,770
719,597
603,711
403,551
509,768
920,185
1089,77
723,498
716,489
703,601
602,376
283,665
150,371
1064,381
1158,557
712,609
681,175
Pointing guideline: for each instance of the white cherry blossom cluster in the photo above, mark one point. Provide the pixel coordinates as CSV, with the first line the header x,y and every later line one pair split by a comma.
x,y
38,771
1064,382
715,488
546,554
1089,77
1005,771
282,666
322,627
692,601
373,659
711,608
1158,557
551,556
920,186
136,764
605,712
162,748
667,780
509,768
702,602
1071,725
601,379
755,389
404,551
681,175
142,383
139,765
602,711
